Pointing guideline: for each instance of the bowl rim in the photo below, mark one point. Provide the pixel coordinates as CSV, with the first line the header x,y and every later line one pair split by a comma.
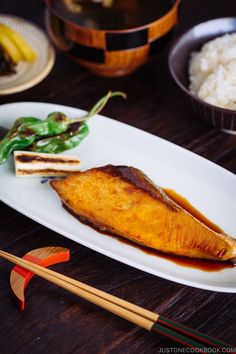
x,y
174,76
176,4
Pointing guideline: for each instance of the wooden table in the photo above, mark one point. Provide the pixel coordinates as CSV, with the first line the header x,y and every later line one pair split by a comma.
x,y
55,321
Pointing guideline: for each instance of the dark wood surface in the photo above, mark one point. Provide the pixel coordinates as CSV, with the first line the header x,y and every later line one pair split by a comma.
x,y
55,321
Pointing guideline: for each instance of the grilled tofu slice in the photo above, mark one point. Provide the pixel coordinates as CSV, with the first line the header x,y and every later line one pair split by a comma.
x,y
122,200
29,164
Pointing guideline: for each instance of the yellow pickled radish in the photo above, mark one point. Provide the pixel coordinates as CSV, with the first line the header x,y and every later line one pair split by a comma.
x,y
9,46
27,53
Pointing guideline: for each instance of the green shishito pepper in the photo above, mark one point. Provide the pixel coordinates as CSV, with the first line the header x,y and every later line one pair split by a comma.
x,y
54,134
62,142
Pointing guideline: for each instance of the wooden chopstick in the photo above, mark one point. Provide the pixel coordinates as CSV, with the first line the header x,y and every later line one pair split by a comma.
x,y
120,307
133,313
125,304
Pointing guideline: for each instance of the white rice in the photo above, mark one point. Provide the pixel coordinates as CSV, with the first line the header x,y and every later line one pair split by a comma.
x,y
212,72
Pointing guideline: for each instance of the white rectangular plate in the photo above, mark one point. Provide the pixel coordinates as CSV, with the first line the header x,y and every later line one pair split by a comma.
x,y
210,188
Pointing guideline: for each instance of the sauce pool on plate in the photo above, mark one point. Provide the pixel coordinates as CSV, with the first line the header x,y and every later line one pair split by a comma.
x,y
184,203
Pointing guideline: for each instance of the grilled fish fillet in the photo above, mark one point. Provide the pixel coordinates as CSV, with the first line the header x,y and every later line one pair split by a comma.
x,y
122,200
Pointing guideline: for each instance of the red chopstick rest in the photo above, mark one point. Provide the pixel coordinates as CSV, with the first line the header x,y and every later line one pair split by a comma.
x,y
45,256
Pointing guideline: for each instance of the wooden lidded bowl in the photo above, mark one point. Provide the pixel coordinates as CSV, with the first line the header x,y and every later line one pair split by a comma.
x,y
179,56
108,51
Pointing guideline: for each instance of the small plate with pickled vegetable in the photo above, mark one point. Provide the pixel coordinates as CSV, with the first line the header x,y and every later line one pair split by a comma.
x,y
26,55
210,188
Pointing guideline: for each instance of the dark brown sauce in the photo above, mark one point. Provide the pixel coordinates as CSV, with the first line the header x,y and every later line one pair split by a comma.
x,y
202,264
112,14
184,203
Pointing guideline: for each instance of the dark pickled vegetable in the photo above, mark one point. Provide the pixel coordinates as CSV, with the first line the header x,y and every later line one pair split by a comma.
x,y
7,66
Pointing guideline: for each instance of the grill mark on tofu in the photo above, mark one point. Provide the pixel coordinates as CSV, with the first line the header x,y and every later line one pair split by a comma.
x,y
34,159
43,171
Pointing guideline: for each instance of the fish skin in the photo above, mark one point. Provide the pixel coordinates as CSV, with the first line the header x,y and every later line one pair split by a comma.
x,y
124,201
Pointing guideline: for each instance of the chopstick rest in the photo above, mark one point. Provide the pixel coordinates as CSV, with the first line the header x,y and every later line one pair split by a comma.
x,y
133,313
20,277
